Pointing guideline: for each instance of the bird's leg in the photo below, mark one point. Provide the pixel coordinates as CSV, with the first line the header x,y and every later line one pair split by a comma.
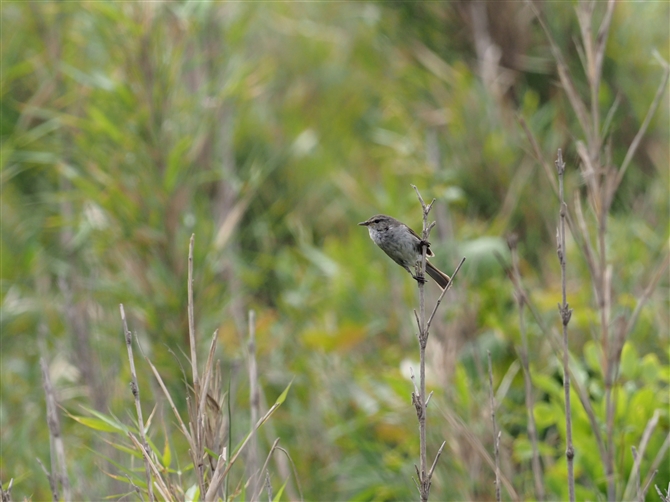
x,y
421,280
416,276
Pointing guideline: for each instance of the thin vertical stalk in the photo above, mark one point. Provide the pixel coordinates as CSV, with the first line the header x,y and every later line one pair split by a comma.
x,y
424,481
191,320
420,401
565,313
134,387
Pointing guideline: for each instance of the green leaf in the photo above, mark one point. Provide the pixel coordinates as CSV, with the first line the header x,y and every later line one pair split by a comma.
x,y
97,424
167,454
282,397
280,492
192,494
629,362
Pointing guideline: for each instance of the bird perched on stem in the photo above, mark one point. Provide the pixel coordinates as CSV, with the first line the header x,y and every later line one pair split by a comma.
x,y
403,246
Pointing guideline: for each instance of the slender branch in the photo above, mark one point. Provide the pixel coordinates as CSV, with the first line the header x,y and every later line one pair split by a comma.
x,y
645,489
134,387
191,321
53,484
424,474
565,313
424,480
439,300
439,452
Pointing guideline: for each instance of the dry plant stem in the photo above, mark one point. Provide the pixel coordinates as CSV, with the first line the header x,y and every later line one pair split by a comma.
x,y
136,394
420,400
527,378
197,428
58,465
496,435
565,313
268,486
223,465
264,469
53,485
6,495
645,489
191,321
602,179
635,473
254,402
161,487
638,455
665,497
555,342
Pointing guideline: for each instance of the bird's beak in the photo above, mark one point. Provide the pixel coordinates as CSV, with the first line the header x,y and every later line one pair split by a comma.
x,y
364,223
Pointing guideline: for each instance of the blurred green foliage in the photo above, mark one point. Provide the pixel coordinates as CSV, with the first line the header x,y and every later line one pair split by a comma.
x,y
268,131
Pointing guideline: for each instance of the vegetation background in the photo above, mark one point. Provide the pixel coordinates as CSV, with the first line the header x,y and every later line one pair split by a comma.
x,y
269,130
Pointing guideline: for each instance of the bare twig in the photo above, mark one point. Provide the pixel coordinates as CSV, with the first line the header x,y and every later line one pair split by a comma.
x,y
645,488
420,400
191,320
53,484
566,313
424,474
268,486
161,487
134,387
439,300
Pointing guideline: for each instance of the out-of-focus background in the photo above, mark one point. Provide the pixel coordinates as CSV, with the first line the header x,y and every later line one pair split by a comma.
x,y
269,130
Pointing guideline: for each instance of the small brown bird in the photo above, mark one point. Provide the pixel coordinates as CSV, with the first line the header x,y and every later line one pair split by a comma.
x,y
403,245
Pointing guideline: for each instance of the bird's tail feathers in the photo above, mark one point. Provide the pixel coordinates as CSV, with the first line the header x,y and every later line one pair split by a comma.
x,y
437,275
